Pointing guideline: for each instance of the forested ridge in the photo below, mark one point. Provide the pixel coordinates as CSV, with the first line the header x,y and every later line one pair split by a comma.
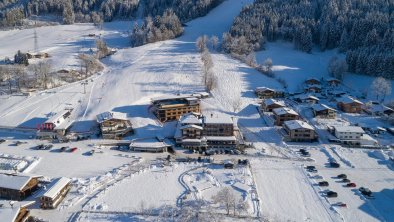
x,y
363,29
12,12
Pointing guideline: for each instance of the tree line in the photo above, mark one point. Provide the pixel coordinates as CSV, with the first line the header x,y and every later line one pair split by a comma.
x,y
12,12
363,29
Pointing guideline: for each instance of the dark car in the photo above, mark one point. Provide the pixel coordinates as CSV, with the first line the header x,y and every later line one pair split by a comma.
x,y
342,176
345,180
48,147
351,185
40,147
64,148
323,184
310,167
306,154
334,164
2,141
332,194
302,150
366,192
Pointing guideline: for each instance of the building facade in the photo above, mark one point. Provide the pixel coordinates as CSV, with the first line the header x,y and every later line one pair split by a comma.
x,y
299,131
266,93
172,108
114,125
268,105
284,114
56,193
324,112
17,187
349,105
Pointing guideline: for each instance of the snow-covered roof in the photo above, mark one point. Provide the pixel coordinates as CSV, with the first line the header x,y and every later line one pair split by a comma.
x,y
14,182
218,119
59,115
8,212
263,88
56,187
312,79
169,97
153,143
321,107
192,140
283,111
312,86
191,126
269,102
190,118
221,138
333,79
297,124
348,99
110,115
307,97
351,129
376,108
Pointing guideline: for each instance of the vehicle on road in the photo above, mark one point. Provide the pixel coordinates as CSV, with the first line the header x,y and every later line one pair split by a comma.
x,y
2,141
72,150
334,164
64,148
340,204
48,147
323,183
332,194
342,176
39,147
345,180
366,192
351,185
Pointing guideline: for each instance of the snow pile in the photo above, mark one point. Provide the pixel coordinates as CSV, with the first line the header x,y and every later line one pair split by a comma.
x,y
19,163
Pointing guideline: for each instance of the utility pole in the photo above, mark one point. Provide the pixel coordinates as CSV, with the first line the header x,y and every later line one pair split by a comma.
x,y
84,83
35,39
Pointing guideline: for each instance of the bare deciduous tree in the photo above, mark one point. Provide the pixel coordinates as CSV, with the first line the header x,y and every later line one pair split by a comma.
x,y
381,88
214,42
337,68
102,49
42,72
225,198
251,59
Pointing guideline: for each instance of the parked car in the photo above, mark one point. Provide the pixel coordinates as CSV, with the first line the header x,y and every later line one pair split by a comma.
x,y
310,167
312,170
334,164
72,150
366,192
306,154
48,147
39,147
17,143
302,150
342,176
64,148
332,194
2,141
345,180
351,185
323,183
341,204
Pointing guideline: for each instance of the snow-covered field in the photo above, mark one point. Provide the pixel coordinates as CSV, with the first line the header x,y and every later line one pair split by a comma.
x,y
118,182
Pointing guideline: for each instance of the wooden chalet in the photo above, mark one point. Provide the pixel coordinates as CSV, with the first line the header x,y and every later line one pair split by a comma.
x,y
306,99
333,82
299,131
312,88
58,189
17,186
268,105
114,125
312,81
349,105
323,111
284,114
15,211
266,93
56,126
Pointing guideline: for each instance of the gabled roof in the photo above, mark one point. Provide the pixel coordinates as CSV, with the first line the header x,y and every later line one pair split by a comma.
x,y
348,100
351,129
297,124
102,117
269,102
8,212
190,118
312,79
57,116
312,86
14,182
307,97
321,107
263,88
56,187
283,111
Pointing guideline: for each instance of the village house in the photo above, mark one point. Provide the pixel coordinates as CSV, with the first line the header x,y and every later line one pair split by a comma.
x,y
268,105
172,108
298,131
114,125
266,93
377,109
349,105
284,114
197,132
303,98
323,111
312,88
312,81
17,186
56,192
14,211
353,136
333,82
56,127
152,145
